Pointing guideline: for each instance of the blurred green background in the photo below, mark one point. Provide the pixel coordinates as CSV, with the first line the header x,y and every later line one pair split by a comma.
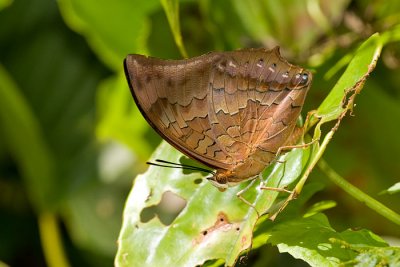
x,y
72,139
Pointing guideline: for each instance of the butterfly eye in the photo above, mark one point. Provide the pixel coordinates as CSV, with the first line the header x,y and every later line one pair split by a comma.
x,y
304,79
300,79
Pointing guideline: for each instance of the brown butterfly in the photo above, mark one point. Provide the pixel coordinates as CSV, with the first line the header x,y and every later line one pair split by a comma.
x,y
231,111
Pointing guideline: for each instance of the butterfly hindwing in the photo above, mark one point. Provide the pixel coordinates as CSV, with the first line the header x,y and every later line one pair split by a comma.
x,y
251,96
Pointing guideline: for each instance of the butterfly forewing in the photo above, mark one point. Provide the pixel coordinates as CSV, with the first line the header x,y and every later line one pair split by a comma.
x,y
229,110
173,97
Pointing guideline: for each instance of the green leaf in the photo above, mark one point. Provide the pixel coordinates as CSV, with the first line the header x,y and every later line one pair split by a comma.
x,y
294,210
355,74
372,257
26,142
212,224
313,240
340,100
319,207
113,29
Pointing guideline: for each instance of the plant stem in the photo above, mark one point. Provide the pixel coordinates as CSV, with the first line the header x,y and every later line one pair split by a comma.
x,y
358,194
51,241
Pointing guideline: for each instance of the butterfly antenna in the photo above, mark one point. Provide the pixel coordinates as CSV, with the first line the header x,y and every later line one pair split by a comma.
x,y
188,167
167,164
184,165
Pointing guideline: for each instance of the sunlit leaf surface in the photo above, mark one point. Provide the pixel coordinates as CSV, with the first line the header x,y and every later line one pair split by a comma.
x,y
212,224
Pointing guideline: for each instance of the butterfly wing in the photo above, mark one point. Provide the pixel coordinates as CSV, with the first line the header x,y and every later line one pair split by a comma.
x,y
256,99
173,96
228,110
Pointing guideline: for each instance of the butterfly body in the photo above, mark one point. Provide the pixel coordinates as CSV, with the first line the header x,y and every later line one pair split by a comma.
x,y
231,111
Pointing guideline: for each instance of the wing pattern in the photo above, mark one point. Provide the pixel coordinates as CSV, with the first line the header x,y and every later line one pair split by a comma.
x,y
229,110
173,97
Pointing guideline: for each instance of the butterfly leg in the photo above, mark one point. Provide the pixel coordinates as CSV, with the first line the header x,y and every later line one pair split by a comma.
x,y
241,192
277,189
289,147
297,134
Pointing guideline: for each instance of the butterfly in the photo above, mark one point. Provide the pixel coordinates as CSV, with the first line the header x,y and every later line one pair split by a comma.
x,y
231,111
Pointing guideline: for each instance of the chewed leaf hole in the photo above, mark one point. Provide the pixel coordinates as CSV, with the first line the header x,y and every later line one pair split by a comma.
x,y
167,210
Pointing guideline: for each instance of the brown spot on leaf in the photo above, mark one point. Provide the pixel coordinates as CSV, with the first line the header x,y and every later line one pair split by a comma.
x,y
222,224
244,240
